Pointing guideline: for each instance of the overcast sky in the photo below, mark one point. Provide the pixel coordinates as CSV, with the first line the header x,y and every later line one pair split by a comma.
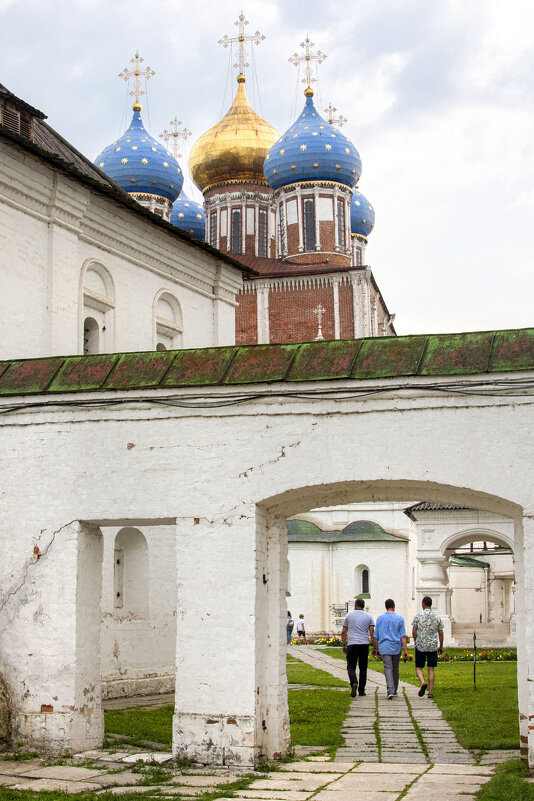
x,y
439,95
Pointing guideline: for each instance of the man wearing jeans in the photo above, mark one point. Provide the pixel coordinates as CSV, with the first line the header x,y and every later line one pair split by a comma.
x,y
358,626
390,640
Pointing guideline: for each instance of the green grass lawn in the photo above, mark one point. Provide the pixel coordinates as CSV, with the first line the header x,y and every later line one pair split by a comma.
x,y
300,673
487,718
141,723
315,715
508,783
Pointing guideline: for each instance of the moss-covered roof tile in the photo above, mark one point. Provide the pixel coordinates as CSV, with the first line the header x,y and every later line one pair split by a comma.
x,y
357,359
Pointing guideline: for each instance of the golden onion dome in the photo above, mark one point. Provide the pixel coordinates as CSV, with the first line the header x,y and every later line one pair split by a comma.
x,y
233,151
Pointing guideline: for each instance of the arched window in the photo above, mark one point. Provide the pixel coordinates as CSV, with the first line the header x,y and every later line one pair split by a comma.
x,y
168,322
362,582
309,225
98,306
91,336
236,231
131,574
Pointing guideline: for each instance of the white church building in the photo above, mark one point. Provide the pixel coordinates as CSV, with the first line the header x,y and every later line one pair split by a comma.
x,y
92,273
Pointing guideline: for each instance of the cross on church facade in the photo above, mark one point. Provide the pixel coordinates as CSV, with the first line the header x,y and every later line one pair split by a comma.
x,y
137,73
307,58
319,311
176,135
330,111
241,39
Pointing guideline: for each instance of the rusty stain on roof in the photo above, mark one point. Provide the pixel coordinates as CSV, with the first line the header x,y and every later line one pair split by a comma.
x,y
259,363
30,375
199,367
83,372
356,359
385,357
319,361
139,370
457,354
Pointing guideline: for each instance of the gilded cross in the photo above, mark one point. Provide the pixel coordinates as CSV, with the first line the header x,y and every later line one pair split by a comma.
x,y
308,58
137,73
176,135
330,111
319,311
241,39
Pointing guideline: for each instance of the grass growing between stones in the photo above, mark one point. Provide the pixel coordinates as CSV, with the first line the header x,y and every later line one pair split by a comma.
x,y
486,718
509,783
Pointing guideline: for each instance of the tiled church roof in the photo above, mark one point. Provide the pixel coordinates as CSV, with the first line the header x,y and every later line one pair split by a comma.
x,y
380,357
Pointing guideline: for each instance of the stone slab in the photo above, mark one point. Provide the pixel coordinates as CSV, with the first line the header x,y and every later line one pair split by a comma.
x,y
62,772
374,794
9,766
381,767
37,785
287,795
306,767
157,757
292,781
202,781
461,770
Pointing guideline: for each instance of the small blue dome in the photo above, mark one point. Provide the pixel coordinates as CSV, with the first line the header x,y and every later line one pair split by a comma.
x,y
362,214
140,164
312,150
189,216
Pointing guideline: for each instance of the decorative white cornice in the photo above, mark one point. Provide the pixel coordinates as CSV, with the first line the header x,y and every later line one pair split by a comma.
x,y
281,284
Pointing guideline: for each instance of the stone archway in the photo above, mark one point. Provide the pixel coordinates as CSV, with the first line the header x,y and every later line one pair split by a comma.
x,y
270,519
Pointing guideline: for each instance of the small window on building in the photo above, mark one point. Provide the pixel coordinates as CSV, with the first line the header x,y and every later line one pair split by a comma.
x,y
309,225
262,234
282,229
236,231
91,336
161,346
341,223
213,229
362,582
358,257
168,322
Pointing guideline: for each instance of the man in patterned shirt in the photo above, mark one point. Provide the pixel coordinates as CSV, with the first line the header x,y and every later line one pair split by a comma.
x,y
427,631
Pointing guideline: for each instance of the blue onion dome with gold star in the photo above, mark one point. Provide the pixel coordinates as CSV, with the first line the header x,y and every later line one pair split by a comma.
x,y
141,165
189,216
362,214
233,150
312,150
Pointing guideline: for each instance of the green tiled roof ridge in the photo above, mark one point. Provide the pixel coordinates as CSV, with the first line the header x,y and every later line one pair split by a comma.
x,y
233,365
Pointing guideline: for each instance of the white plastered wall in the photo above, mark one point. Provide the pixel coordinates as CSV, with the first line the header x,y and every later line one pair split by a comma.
x,y
52,229
230,477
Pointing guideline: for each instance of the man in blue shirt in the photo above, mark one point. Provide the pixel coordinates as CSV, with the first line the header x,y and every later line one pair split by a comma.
x,y
390,639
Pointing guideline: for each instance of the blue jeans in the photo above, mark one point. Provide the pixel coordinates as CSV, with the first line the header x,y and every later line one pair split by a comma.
x,y
391,672
289,632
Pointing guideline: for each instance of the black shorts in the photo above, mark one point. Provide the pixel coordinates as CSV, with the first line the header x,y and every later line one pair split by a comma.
x,y
430,657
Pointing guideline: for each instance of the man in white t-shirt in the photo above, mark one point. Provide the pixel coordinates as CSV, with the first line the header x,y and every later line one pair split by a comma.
x,y
356,634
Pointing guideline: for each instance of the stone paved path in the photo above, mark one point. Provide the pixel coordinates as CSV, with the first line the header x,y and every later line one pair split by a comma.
x,y
411,729
105,771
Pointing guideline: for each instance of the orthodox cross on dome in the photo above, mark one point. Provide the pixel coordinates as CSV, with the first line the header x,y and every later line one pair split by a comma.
x,y
308,58
241,39
137,73
176,135
319,311
330,111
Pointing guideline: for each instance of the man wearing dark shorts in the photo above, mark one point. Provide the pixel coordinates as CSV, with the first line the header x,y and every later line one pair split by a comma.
x,y
358,628
427,631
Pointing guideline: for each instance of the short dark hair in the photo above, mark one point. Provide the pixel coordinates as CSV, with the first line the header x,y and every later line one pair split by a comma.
x,y
390,604
360,603
427,600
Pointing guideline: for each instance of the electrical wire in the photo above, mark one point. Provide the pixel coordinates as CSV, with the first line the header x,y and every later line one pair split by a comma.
x,y
478,389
